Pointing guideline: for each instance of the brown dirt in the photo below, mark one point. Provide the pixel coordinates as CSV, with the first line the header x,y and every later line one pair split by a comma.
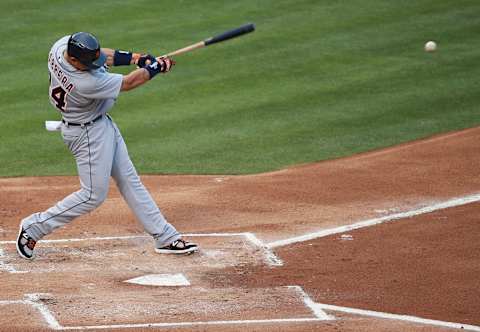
x,y
425,266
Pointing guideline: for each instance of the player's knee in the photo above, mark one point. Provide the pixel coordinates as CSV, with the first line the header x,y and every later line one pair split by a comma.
x,y
98,196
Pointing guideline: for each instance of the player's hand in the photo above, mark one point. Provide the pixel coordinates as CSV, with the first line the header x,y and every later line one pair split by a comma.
x,y
145,59
159,65
166,64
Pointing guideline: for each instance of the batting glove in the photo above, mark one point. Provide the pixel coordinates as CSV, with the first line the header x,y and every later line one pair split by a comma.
x,y
166,64
144,60
160,65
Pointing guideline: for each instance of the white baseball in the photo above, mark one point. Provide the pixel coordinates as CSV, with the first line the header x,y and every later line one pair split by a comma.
x,y
430,46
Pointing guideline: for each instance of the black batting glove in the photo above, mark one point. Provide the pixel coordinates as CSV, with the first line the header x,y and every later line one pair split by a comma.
x,y
160,65
153,68
145,59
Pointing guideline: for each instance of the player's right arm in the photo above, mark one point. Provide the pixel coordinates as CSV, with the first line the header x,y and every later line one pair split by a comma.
x,y
148,71
135,79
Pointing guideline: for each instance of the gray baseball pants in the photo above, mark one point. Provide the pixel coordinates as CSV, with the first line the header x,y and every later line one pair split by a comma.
x,y
100,152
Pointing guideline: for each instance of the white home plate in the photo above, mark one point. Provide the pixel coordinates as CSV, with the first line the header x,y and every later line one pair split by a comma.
x,y
161,280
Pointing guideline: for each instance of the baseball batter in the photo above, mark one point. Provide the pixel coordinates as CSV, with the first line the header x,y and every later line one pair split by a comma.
x,y
84,91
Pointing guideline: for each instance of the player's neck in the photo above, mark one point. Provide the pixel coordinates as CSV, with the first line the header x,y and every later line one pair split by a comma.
x,y
74,62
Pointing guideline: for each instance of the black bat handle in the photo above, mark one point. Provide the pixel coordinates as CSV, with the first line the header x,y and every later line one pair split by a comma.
x,y
230,34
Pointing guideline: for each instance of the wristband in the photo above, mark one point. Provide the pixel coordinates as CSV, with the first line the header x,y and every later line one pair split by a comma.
x,y
122,58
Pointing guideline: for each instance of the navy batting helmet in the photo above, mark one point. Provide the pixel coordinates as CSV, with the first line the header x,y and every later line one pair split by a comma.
x,y
85,48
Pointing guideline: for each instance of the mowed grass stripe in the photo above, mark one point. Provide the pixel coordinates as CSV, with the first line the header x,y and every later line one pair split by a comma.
x,y
317,80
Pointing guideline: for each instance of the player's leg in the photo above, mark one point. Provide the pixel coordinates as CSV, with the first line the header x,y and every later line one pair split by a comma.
x,y
93,147
167,239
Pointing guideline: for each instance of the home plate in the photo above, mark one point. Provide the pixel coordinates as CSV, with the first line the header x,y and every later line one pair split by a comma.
x,y
160,280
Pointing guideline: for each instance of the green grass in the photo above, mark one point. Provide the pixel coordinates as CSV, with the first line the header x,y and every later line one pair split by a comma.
x,y
317,80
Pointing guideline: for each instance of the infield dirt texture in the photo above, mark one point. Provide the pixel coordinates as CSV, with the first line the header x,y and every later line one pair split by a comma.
x,y
268,150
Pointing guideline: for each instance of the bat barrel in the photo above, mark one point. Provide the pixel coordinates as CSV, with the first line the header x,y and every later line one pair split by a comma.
x,y
247,28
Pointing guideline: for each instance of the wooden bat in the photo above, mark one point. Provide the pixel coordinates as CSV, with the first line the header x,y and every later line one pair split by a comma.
x,y
247,28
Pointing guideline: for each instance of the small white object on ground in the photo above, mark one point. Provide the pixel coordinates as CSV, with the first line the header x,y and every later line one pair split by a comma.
x,y
346,237
53,125
161,280
430,46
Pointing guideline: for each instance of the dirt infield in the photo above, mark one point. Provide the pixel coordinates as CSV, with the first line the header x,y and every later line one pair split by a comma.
x,y
278,251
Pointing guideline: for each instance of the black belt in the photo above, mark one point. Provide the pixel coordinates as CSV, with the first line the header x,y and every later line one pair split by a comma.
x,y
82,124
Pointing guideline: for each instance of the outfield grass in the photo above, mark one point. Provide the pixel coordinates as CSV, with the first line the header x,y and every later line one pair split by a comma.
x,y
317,80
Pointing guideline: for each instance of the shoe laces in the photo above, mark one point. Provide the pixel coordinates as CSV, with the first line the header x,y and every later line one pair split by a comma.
x,y
183,243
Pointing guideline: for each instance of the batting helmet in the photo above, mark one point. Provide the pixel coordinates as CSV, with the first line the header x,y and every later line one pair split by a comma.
x,y
85,48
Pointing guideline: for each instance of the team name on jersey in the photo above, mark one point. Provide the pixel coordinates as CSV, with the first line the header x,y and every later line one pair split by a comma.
x,y
56,70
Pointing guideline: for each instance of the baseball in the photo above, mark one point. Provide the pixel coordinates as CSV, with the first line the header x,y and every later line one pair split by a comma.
x,y
430,46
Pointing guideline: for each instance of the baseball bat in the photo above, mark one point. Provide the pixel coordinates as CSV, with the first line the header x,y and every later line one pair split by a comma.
x,y
247,28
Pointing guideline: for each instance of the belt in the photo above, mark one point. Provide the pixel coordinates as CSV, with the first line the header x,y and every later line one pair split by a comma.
x,y
82,124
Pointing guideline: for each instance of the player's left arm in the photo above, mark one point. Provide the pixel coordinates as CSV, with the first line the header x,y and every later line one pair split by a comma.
x,y
120,58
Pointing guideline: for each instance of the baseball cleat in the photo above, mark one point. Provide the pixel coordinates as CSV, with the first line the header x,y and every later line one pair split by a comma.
x,y
178,247
25,244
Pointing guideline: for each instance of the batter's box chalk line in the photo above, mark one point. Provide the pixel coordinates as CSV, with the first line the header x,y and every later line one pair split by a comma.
x,y
454,202
36,300
269,256
5,266
318,310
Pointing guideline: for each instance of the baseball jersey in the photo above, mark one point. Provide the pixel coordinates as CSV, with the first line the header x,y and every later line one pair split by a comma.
x,y
79,95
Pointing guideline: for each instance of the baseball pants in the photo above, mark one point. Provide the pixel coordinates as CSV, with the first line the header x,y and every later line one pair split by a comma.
x,y
100,152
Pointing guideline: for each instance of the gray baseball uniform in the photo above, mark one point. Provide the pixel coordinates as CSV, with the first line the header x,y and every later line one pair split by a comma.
x,y
98,148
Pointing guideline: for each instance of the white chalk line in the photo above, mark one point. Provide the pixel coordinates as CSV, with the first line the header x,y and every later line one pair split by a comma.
x,y
7,267
127,237
12,302
320,315
34,301
185,324
317,311
317,308
405,318
375,221
270,258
